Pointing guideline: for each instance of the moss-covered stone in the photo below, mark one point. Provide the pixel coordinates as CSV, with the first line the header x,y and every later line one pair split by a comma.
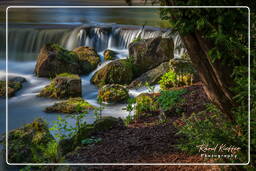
x,y
149,53
146,104
113,93
26,144
13,87
116,72
54,59
70,106
106,123
63,86
88,58
109,55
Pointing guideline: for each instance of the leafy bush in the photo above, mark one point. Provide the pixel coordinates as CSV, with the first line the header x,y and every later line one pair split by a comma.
x,y
168,99
145,104
172,79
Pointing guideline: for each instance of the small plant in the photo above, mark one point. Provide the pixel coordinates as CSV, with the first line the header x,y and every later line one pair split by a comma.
x,y
151,88
91,140
129,108
64,129
169,99
168,80
98,110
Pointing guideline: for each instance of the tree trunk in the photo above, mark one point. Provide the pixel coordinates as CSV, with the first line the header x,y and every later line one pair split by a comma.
x,y
215,77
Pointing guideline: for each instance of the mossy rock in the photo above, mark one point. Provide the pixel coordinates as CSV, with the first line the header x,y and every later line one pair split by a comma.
x,y
116,72
63,86
109,55
54,59
107,123
26,144
149,53
113,93
146,104
70,106
88,58
13,87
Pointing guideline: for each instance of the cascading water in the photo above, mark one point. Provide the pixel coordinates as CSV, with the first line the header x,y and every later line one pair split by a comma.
x,y
24,46
25,43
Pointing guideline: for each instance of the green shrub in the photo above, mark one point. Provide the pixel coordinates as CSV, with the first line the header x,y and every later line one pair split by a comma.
x,y
145,104
172,79
169,99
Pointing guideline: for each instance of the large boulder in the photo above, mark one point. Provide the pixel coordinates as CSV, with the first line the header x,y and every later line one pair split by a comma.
x,y
149,53
88,58
152,76
109,55
63,86
116,72
113,93
53,60
70,106
26,144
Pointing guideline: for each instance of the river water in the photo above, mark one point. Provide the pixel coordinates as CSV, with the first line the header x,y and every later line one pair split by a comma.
x,y
99,28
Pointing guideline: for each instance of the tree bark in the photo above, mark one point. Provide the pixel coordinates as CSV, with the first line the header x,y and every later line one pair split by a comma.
x,y
216,79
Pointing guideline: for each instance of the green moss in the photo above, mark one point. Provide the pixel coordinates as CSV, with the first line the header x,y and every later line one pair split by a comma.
x,y
109,55
113,93
115,72
63,54
13,87
26,144
72,105
68,75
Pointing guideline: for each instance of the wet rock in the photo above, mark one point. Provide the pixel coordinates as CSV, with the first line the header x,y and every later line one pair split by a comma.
x,y
152,76
109,55
88,58
53,60
149,53
116,72
63,86
26,144
70,106
13,87
113,93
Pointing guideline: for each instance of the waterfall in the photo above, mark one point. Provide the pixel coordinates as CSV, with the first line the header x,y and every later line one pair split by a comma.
x,y
25,43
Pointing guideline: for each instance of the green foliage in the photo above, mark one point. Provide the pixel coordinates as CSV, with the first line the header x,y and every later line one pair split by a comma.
x,y
50,152
172,79
91,140
145,104
64,130
151,88
210,127
130,107
168,99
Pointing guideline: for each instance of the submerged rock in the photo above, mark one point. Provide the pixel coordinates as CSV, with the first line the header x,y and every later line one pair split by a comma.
x,y
116,72
63,86
53,60
149,53
13,87
26,144
88,58
152,76
109,55
113,93
70,106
